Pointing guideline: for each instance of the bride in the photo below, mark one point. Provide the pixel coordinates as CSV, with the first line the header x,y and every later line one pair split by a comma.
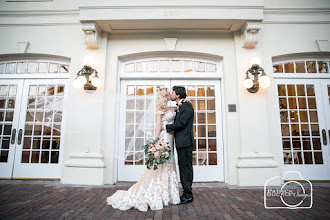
x,y
159,187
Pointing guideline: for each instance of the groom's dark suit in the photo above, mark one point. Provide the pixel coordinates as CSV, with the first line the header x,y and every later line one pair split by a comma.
x,y
184,142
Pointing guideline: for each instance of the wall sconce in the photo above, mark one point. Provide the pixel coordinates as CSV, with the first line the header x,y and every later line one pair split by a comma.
x,y
253,85
83,79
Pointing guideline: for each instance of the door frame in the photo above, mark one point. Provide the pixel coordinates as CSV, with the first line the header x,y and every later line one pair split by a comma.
x,y
179,76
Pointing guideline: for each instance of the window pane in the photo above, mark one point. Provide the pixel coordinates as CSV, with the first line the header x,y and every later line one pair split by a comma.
x,y
199,66
164,65
211,67
25,156
141,67
129,67
281,90
323,68
291,90
53,68
287,157
2,68
212,159
289,67
191,91
301,90
176,65
286,144
153,66
311,66
187,66
43,67
300,67
10,68
282,103
21,67
277,68
64,68
284,116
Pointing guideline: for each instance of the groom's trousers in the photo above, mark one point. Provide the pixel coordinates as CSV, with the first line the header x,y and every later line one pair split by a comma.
x,y
186,169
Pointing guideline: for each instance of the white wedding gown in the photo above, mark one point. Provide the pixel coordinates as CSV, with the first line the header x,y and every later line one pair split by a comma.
x,y
155,188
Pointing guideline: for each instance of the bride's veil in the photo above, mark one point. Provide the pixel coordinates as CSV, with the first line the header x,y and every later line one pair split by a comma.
x,y
144,129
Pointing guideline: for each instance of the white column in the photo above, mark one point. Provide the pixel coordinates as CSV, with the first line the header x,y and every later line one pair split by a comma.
x,y
256,163
83,154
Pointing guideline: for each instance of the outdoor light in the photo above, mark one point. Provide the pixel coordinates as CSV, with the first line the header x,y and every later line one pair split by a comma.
x,y
82,79
253,85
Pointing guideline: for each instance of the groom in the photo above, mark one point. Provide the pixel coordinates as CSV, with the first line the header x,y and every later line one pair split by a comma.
x,y
184,140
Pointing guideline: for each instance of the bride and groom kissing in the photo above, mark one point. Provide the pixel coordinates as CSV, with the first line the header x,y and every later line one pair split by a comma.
x,y
159,187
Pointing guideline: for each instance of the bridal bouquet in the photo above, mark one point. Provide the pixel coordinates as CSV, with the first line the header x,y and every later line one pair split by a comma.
x,y
157,152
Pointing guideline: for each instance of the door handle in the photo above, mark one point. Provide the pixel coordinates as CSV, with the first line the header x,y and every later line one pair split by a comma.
x,y
19,141
13,136
324,136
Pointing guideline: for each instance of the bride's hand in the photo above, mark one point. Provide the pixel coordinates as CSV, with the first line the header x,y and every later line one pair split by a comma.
x,y
186,100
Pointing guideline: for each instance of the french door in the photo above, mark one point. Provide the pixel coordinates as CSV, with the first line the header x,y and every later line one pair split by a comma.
x,y
137,95
304,113
31,127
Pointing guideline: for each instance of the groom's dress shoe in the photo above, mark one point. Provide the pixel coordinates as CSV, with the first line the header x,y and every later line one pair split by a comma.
x,y
186,200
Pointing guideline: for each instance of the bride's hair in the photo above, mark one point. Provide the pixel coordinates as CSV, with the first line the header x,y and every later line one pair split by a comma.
x,y
161,98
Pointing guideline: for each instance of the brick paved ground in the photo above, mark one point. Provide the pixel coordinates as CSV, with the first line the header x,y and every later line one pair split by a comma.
x,y
52,200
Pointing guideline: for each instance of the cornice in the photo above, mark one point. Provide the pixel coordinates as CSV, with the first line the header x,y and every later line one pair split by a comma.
x,y
296,10
171,7
38,12
40,24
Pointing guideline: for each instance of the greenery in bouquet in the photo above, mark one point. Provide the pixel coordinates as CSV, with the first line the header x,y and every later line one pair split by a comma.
x,y
157,152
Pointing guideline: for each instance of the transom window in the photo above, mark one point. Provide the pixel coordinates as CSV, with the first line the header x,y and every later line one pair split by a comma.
x,y
33,67
310,66
170,65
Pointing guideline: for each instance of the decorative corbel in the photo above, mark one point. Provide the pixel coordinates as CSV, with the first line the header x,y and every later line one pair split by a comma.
x,y
92,35
22,46
170,43
251,34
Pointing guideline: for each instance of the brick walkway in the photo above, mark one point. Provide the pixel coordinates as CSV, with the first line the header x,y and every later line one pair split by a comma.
x,y
53,200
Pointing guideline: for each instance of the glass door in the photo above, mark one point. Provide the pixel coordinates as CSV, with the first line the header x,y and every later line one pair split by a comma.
x,y
136,96
31,128
205,96
208,150
39,146
302,117
10,99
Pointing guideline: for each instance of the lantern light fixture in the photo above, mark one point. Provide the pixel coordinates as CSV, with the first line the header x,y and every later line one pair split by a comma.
x,y
253,85
82,79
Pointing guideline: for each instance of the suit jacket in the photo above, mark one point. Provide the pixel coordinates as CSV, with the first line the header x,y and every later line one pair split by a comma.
x,y
183,126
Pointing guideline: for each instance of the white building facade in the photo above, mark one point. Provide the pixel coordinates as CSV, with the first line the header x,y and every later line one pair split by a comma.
x,y
52,130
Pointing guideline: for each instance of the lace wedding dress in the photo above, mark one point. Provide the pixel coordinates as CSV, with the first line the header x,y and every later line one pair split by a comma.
x,y
155,188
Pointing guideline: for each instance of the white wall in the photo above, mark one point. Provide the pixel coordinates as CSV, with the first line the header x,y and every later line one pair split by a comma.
x,y
124,44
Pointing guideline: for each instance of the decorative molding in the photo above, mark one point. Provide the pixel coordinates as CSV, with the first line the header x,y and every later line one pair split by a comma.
x,y
250,34
92,35
323,45
22,46
256,160
170,43
87,160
